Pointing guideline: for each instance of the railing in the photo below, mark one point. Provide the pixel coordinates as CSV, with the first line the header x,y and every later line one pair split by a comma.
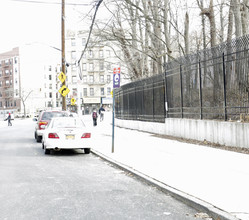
x,y
211,84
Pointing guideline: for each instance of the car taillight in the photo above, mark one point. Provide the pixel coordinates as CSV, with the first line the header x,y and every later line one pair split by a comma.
x,y
86,135
41,125
53,135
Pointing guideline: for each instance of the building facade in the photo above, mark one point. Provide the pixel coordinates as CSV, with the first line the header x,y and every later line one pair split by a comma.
x,y
91,79
10,101
28,80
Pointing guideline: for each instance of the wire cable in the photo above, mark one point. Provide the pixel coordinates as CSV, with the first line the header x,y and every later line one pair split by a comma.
x,y
53,3
89,35
90,32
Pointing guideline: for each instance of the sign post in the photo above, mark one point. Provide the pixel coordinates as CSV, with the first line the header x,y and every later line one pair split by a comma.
x,y
116,84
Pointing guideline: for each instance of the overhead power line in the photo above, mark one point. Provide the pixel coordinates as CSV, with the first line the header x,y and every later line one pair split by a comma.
x,y
48,2
90,32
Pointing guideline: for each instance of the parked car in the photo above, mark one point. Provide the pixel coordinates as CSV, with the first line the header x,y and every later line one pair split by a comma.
x,y
43,119
66,133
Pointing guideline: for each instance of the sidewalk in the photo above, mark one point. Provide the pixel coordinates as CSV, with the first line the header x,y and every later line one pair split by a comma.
x,y
219,178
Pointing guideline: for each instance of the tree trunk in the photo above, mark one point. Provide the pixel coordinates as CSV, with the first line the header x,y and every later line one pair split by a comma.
x,y
237,18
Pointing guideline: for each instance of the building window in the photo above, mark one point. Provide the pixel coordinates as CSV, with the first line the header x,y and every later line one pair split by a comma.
x,y
50,86
50,68
15,60
73,55
83,41
50,95
16,92
1,83
90,53
101,54
102,91
7,82
84,66
11,82
91,79
6,72
0,73
108,90
50,77
101,78
84,78
85,91
15,103
91,91
1,94
73,42
1,104
101,66
90,66
108,78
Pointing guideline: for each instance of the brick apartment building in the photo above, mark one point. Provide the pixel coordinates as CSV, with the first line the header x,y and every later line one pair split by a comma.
x,y
9,82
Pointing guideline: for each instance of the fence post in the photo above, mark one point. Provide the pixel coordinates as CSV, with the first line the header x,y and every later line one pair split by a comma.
x,y
153,101
200,89
135,101
181,92
165,95
224,87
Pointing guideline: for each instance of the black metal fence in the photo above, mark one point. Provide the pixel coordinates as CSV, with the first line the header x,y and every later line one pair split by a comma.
x,y
212,84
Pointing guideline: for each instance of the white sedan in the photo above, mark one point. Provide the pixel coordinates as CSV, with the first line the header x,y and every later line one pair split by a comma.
x,y
66,133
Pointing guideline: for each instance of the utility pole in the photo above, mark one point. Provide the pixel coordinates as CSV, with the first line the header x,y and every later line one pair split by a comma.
x,y
63,59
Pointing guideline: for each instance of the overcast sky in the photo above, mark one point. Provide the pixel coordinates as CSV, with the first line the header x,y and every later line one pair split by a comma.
x,y
27,21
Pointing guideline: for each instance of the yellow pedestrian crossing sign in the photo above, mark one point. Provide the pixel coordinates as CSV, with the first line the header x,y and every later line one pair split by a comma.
x,y
62,77
64,90
73,101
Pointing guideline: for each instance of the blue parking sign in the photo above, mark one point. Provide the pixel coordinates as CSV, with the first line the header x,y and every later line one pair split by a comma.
x,y
116,80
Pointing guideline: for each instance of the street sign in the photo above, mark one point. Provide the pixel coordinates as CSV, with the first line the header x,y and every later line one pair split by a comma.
x,y
64,90
62,77
73,101
116,77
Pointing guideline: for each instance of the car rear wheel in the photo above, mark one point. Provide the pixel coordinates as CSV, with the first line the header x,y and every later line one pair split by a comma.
x,y
38,139
46,151
87,150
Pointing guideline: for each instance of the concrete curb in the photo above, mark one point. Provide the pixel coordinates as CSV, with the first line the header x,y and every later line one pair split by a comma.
x,y
212,211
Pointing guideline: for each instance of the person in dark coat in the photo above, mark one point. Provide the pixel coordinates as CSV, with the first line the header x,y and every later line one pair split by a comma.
x,y
94,116
101,113
9,120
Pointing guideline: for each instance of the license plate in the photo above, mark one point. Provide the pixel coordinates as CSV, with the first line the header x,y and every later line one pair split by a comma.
x,y
70,136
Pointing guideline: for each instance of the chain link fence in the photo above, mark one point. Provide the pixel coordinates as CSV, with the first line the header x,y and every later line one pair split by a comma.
x,y
211,84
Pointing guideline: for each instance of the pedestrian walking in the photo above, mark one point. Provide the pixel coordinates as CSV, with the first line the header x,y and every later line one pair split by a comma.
x,y
101,113
9,120
95,117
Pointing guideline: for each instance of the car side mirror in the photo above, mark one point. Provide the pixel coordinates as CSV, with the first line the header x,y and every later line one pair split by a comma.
x,y
35,119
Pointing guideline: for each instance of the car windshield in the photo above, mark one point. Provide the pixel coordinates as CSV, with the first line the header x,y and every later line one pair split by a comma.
x,y
50,115
67,123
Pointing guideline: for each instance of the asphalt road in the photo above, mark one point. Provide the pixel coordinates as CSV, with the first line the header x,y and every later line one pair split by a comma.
x,y
73,185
